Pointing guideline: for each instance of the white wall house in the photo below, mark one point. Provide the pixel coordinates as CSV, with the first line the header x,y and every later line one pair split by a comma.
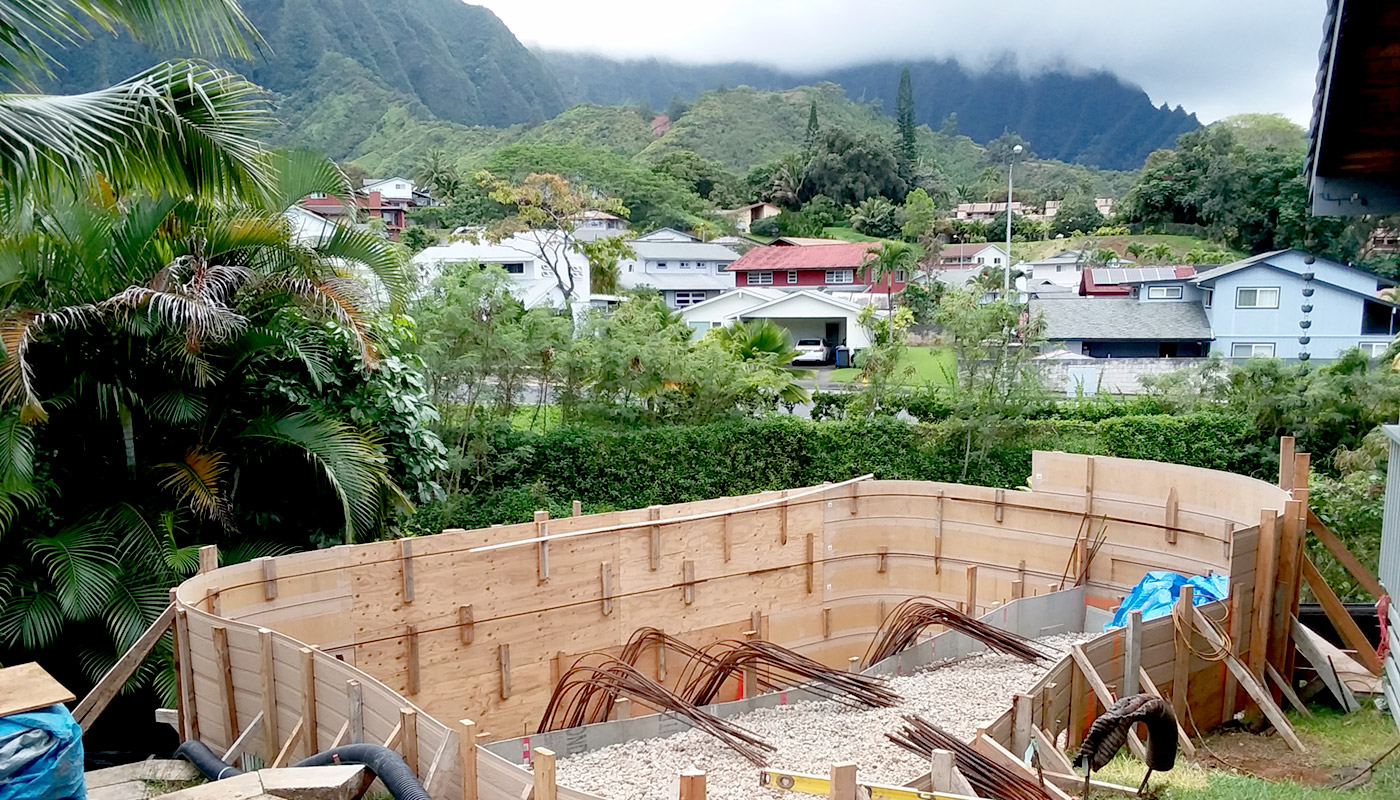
x,y
523,258
805,314
1065,268
685,272
391,188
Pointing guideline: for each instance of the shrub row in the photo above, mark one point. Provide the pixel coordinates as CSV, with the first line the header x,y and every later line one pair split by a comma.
x,y
608,468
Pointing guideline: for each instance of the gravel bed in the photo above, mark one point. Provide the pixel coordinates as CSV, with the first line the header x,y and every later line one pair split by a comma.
x,y
960,697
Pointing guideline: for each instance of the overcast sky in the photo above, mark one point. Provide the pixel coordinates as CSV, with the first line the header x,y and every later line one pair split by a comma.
x,y
1214,57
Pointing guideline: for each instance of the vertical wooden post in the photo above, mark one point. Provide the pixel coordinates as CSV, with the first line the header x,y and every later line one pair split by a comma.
x,y
1018,590
269,571
622,708
938,537
756,624
1089,485
688,581
654,512
998,511
466,755
972,591
226,696
414,673
843,782
855,498
727,547
1132,653
1239,605
1021,719
782,519
271,741
408,739
208,558
882,556
1285,463
503,656
406,557
826,623
1265,569
542,548
1078,706
811,564
606,579
187,704
1081,560
1290,545
308,701
692,785
545,786
466,622
578,508
356,698
1171,515
180,728
1181,645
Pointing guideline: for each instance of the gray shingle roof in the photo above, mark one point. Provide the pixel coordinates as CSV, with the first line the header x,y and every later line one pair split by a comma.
x,y
683,251
1121,319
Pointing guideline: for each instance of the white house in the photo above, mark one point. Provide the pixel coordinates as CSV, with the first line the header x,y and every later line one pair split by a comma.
x,y
684,271
805,314
972,256
1065,268
526,258
745,217
391,188
308,227
667,235
591,225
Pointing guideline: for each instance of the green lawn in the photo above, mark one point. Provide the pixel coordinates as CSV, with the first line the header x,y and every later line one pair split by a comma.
x,y
535,418
1032,251
1334,740
932,365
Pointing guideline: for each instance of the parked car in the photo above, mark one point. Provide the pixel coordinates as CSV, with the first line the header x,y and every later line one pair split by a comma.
x,y
812,351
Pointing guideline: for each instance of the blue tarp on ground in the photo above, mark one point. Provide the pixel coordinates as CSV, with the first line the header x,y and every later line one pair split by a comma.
x,y
1157,592
41,756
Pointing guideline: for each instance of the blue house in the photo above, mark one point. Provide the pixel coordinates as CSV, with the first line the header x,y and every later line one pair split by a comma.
x,y
1288,302
1273,305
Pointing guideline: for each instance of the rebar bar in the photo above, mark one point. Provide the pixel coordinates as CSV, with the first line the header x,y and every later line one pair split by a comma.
x,y
988,778
902,626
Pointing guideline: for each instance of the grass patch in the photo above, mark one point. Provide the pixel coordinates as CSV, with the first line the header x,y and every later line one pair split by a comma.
x,y
1334,740
536,418
931,365
1180,245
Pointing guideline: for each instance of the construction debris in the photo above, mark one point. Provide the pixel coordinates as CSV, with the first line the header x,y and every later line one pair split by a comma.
x,y
902,627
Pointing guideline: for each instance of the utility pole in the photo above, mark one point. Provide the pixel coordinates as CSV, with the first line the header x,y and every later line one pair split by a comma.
x,y
1006,273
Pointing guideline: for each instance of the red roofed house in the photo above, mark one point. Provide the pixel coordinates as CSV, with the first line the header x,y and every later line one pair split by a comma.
x,y
839,267
1123,281
967,256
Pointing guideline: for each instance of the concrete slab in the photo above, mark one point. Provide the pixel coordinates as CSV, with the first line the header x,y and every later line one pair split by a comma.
x,y
154,769
341,782
240,787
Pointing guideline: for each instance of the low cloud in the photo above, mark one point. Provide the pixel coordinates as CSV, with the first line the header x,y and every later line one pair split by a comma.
x,y
1214,57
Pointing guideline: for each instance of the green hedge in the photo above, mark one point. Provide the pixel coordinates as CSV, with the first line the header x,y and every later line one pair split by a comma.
x,y
609,469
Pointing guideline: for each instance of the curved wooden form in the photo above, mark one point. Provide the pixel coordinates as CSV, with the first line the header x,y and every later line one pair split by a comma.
x,y
384,642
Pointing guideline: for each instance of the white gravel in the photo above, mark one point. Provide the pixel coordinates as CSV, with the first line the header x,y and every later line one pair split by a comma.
x,y
959,697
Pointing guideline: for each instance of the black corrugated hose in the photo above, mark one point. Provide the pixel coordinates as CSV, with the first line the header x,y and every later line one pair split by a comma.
x,y
386,765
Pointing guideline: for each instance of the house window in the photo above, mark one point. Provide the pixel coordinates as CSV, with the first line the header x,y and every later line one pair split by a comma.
x,y
1375,349
840,276
760,279
684,299
981,260
723,264
900,276
1208,295
1059,267
516,268
792,276
1256,297
1164,293
1252,350
317,195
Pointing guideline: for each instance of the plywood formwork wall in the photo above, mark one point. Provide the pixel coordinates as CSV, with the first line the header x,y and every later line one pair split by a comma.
x,y
813,569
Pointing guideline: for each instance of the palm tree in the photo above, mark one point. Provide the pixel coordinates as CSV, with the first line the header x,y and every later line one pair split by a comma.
x,y
889,259
764,341
180,127
1160,253
1135,249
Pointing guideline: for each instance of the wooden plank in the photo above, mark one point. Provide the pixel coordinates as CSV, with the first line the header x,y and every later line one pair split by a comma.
x,y
27,687
466,758
1285,587
1105,696
406,559
235,750
811,564
268,661
605,579
692,785
1250,684
225,673
1341,620
1078,706
783,519
1132,653
882,556
972,590
355,713
286,752
1171,514
308,700
688,582
414,669
408,748
542,545
466,623
1307,641
654,554
187,704
503,662
340,735
1050,755
269,576
1266,564
546,785
843,781
1229,689
175,656
944,775
726,541
1287,690
208,558
1339,551
111,683
988,747
1181,658
1021,723
577,509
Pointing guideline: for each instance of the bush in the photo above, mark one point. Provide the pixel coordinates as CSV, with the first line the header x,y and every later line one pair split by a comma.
x,y
830,405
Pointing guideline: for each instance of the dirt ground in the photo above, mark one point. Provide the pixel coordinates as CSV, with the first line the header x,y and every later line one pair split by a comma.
x,y
1267,757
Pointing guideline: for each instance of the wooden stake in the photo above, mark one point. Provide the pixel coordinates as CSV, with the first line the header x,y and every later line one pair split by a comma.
x,y
1078,706
622,708
938,537
811,564
1285,463
226,696
1286,587
408,747
308,700
654,512
545,786
881,557
578,508
826,623
1341,620
1229,689
466,623
783,519
208,558
1018,590
692,785
180,729
406,557
356,711
688,582
269,693
855,499
414,673
1021,722
1363,576
269,571
542,548
1171,515
1265,564
466,756
945,777
1282,685
1091,675
606,579
843,782
727,547
972,591
1181,649
1132,653
503,657
1089,486
998,510
187,704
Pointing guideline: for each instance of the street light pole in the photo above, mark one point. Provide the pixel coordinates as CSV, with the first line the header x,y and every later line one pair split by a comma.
x,y
1006,273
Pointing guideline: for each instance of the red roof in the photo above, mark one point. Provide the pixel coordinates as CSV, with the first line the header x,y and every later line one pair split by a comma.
x,y
820,256
961,250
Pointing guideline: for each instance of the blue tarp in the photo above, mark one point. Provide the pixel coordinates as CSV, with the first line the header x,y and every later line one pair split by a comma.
x,y
41,756
1157,592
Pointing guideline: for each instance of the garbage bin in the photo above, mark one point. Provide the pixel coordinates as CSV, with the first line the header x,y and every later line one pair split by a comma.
x,y
843,356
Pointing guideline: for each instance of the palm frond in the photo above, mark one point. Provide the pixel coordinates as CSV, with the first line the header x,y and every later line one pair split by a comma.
x,y
303,172
81,564
340,300
197,481
350,459
384,262
176,406
132,606
31,618
19,329
305,345
246,550
180,128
